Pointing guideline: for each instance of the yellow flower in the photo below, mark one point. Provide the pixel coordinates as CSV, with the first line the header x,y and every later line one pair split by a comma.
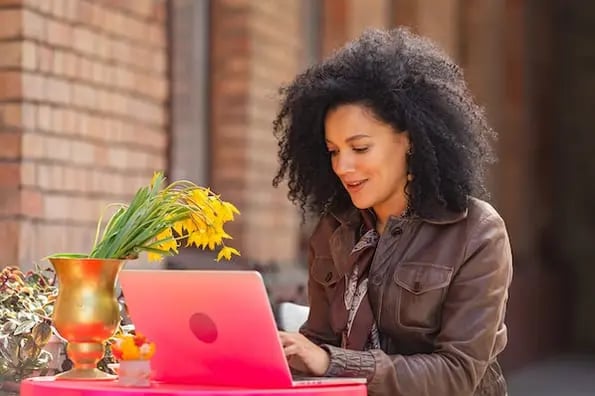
x,y
169,241
197,238
157,213
179,227
151,256
226,253
227,211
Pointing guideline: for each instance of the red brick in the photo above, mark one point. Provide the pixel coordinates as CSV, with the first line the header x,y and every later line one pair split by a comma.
x,y
32,146
34,25
56,207
28,171
44,117
58,124
82,40
11,54
98,16
10,174
84,12
45,6
59,33
142,8
85,69
31,203
28,116
45,60
70,118
82,153
9,235
10,145
29,55
58,148
115,21
157,35
58,66
11,25
33,86
10,85
59,8
71,65
11,115
57,90
71,9
159,12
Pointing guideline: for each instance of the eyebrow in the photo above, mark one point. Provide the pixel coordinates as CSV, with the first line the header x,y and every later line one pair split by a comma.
x,y
353,137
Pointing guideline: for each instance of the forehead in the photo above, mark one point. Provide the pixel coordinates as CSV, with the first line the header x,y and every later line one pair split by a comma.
x,y
352,120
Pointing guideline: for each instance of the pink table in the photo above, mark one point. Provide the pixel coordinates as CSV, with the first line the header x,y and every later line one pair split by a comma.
x,y
47,386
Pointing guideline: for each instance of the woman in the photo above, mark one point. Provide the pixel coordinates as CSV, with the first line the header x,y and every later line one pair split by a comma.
x,y
409,271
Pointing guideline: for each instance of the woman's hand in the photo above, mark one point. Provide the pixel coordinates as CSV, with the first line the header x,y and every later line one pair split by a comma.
x,y
303,355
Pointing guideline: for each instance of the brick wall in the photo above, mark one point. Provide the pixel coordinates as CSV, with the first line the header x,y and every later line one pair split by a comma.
x,y
82,116
255,47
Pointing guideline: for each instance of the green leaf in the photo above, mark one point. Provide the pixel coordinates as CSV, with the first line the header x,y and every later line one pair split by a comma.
x,y
24,327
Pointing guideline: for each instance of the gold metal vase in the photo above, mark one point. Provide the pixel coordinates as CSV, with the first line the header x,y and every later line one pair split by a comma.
x,y
86,313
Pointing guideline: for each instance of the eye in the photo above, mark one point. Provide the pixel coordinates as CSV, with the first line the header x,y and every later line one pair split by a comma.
x,y
360,149
332,153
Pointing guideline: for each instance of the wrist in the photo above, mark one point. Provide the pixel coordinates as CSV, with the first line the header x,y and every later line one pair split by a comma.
x,y
325,361
349,363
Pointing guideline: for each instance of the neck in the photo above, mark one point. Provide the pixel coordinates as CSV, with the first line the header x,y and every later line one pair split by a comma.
x,y
382,214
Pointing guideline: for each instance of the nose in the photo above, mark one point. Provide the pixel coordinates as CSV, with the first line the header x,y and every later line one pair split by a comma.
x,y
343,164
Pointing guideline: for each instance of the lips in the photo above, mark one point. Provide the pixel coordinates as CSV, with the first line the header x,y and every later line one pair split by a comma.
x,y
354,186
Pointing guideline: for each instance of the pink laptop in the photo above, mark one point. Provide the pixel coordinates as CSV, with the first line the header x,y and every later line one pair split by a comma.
x,y
211,328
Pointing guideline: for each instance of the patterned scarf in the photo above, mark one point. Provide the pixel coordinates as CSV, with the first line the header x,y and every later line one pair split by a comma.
x,y
351,299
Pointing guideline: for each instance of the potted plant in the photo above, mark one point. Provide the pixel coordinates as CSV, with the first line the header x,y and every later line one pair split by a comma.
x,y
26,306
158,219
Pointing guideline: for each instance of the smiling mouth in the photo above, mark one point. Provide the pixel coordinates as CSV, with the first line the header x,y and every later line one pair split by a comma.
x,y
354,186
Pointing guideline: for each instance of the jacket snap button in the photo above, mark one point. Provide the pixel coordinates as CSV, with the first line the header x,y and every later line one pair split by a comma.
x,y
328,277
396,231
417,286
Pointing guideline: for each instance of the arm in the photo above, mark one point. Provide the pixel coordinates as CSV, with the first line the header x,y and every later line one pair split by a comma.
x,y
472,332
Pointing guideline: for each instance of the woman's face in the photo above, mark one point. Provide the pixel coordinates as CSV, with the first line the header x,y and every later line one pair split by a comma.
x,y
369,157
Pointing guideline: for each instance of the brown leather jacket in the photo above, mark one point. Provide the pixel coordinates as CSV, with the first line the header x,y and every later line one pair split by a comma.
x,y
438,287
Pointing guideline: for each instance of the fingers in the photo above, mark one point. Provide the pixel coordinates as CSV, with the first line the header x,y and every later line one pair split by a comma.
x,y
290,338
293,343
291,350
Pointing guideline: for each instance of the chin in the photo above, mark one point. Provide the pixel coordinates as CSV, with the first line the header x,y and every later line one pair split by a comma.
x,y
361,203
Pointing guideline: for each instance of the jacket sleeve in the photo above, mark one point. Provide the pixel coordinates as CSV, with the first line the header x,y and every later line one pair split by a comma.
x,y
472,328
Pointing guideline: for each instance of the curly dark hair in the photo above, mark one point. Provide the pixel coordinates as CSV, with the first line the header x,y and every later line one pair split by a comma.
x,y
407,82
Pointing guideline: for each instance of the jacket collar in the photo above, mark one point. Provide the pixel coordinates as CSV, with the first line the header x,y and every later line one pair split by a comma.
x,y
436,214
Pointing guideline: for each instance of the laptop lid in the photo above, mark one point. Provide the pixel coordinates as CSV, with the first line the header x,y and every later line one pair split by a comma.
x,y
209,327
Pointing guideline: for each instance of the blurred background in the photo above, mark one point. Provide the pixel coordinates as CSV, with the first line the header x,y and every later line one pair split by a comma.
x,y
95,95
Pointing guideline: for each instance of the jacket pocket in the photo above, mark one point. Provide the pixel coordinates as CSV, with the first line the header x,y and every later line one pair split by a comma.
x,y
422,288
324,272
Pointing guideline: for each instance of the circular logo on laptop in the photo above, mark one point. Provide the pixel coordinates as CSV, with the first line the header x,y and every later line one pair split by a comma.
x,y
203,327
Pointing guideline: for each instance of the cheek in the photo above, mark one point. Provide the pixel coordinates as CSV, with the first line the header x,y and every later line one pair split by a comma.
x,y
334,164
393,168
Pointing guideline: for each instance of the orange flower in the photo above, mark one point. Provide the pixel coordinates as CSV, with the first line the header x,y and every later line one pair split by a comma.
x,y
133,347
139,339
